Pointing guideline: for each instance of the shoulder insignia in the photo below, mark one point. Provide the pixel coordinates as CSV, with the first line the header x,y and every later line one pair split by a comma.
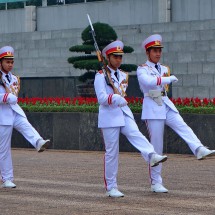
x,y
142,65
16,76
123,71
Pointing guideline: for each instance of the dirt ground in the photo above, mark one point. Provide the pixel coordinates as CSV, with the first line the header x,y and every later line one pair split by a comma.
x,y
71,182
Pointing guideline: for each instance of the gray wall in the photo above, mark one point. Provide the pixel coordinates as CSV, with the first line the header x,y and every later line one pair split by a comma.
x,y
189,49
64,87
188,10
84,134
19,20
114,12
189,45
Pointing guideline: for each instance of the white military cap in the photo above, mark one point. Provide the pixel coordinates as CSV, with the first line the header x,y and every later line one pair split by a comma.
x,y
6,52
115,48
154,40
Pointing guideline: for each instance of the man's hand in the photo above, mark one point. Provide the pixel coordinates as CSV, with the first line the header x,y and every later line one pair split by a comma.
x,y
119,100
11,99
173,78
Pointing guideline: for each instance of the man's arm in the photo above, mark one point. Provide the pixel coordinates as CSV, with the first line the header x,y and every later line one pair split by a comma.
x,y
103,97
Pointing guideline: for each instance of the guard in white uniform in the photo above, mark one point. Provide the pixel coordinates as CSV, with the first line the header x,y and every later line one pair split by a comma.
x,y
158,110
115,117
12,116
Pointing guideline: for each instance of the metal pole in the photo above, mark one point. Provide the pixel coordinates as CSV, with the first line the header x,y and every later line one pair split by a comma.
x,y
6,6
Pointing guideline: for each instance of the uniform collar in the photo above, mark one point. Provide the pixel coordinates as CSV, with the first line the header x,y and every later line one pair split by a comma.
x,y
9,74
152,65
113,76
149,63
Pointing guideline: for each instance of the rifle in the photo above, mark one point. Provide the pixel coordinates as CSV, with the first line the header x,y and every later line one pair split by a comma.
x,y
105,69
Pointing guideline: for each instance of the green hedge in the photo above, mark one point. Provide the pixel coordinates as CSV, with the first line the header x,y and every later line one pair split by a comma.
x,y
90,48
94,109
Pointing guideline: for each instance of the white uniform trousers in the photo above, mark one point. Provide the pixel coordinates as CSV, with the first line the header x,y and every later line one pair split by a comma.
x,y
22,125
156,132
111,140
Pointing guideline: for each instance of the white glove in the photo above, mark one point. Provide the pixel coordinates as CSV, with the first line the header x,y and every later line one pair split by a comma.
x,y
122,102
173,78
11,99
119,100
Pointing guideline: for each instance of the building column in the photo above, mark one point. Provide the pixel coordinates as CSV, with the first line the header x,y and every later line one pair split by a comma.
x,y
44,3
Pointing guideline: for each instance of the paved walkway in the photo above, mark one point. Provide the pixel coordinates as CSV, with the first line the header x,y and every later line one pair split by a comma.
x,y
71,182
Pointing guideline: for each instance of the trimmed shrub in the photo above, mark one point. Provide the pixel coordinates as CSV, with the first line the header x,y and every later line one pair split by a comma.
x,y
105,34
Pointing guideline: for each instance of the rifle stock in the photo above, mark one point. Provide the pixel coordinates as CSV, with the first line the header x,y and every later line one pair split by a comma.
x,y
105,69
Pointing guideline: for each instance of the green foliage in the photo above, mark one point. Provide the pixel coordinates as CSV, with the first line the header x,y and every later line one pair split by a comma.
x,y
87,64
93,64
60,109
105,34
88,108
81,58
128,49
82,48
90,48
128,67
86,76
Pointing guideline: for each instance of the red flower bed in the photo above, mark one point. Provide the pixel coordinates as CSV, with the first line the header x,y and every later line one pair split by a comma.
x,y
61,101
81,104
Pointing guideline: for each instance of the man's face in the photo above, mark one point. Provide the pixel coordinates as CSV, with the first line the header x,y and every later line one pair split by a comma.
x,y
154,54
7,65
114,61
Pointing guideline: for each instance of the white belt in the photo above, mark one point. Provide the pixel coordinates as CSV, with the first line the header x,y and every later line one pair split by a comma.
x,y
163,93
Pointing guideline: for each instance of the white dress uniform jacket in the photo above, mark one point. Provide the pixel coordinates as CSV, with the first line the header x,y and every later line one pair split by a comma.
x,y
151,79
111,115
6,110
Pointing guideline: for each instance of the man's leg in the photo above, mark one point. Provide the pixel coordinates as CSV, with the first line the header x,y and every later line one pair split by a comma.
x,y
22,125
111,141
156,131
137,139
6,166
176,122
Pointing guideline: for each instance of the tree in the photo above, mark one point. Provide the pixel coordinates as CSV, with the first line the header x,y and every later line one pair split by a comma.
x,y
105,34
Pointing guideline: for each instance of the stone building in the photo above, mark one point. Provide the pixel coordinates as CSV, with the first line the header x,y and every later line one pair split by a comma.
x,y
42,36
